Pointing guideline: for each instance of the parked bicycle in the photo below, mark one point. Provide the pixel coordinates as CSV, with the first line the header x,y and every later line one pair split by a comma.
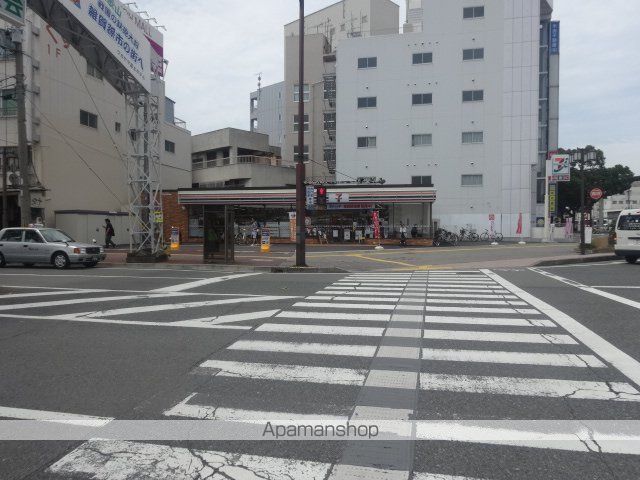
x,y
443,236
491,236
468,236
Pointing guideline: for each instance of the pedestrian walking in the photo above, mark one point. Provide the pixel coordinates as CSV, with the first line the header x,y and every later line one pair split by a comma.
x,y
254,232
403,235
109,233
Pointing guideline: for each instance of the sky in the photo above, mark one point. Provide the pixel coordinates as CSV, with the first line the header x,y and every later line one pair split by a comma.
x,y
217,48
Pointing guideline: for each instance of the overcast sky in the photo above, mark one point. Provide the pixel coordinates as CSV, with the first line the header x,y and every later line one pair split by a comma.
x,y
216,48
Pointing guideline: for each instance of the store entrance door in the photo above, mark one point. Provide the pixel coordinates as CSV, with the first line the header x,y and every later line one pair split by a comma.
x,y
219,234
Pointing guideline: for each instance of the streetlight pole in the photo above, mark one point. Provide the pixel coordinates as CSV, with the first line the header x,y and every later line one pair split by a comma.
x,y
300,169
582,244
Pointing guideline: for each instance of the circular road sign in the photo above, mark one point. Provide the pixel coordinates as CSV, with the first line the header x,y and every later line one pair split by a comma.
x,y
596,194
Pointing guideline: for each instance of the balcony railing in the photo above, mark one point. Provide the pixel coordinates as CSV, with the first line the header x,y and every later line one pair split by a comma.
x,y
240,160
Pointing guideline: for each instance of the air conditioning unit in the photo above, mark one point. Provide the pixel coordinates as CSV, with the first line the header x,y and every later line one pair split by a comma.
x,y
15,179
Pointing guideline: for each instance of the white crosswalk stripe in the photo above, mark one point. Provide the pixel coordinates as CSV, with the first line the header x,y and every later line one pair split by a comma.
x,y
458,322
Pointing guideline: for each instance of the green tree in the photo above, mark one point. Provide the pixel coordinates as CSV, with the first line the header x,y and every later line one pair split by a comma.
x,y
613,180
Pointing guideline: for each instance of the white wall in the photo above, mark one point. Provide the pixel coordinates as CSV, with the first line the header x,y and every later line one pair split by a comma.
x,y
507,116
268,112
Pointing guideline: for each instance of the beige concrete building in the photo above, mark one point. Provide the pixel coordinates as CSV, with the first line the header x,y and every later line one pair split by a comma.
x,y
232,158
76,124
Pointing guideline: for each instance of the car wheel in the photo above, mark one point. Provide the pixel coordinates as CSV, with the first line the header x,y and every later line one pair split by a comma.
x,y
90,264
60,260
631,259
3,262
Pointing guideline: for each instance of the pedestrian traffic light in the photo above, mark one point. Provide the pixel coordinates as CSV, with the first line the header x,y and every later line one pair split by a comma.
x,y
321,196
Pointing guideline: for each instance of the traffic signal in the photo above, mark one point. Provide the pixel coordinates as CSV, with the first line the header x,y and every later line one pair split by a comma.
x,y
321,196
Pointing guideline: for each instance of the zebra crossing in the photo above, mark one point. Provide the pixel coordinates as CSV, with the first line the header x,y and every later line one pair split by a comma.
x,y
374,346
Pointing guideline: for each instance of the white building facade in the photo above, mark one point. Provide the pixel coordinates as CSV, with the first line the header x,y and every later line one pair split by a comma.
x,y
467,102
266,105
77,133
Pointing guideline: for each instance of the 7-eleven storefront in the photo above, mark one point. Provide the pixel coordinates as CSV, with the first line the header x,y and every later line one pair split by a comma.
x,y
347,218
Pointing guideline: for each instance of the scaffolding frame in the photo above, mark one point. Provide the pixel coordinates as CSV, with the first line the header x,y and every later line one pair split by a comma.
x,y
143,173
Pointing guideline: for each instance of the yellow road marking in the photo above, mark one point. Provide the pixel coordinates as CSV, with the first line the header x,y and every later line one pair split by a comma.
x,y
383,261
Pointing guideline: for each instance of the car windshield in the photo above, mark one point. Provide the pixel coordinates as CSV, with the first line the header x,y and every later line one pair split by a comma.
x,y
51,235
629,222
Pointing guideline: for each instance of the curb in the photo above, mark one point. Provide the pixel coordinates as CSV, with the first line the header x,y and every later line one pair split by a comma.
x,y
224,268
576,261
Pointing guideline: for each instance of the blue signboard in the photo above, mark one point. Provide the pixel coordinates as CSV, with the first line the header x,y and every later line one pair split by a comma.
x,y
554,42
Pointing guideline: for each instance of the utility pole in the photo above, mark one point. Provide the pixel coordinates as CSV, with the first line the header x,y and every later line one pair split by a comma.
x,y
582,193
5,163
23,149
300,169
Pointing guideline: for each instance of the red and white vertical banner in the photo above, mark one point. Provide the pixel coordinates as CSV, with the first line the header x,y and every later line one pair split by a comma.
x,y
376,224
519,229
292,226
492,223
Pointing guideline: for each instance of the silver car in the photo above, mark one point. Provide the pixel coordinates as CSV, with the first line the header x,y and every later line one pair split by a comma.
x,y
46,245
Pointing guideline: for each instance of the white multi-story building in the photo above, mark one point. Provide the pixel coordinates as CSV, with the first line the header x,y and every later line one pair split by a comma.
x,y
609,208
467,101
266,112
76,129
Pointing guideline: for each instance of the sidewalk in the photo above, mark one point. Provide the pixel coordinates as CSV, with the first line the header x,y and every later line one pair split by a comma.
x,y
366,258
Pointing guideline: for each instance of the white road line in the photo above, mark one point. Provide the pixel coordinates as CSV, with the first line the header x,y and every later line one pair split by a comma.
x,y
49,294
179,306
475,302
306,348
468,290
222,319
438,476
463,288
363,289
358,293
461,282
353,299
524,311
286,373
513,358
530,387
507,337
56,417
210,412
515,322
373,317
78,301
108,460
595,291
616,357
582,439
138,323
200,283
321,330
466,295
357,306
616,286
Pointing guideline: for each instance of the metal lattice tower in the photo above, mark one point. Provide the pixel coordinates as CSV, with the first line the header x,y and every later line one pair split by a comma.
x,y
143,173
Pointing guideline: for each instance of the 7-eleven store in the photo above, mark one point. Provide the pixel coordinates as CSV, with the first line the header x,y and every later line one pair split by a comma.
x,y
347,218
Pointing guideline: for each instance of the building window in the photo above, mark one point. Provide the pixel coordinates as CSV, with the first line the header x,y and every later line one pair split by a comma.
x,y
118,127
305,152
254,124
330,159
367,142
305,119
368,62
330,121
471,180
88,119
473,54
472,137
540,187
330,88
367,102
421,140
169,146
254,104
421,181
473,95
420,58
473,12
8,105
305,93
421,99
94,72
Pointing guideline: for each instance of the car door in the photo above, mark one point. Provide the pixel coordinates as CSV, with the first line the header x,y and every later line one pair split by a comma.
x,y
11,245
34,248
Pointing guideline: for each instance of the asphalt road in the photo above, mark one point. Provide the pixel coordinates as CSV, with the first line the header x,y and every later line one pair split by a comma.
x,y
458,368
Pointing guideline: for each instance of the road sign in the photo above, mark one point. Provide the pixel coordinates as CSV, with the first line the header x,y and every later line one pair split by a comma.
x,y
596,194
560,168
13,11
311,199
